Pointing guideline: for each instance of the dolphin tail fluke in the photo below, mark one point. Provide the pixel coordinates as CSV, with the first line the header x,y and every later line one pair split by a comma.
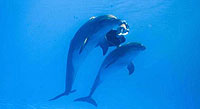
x,y
87,99
62,94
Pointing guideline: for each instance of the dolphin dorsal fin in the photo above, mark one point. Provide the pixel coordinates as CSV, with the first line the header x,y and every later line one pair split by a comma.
x,y
83,46
130,68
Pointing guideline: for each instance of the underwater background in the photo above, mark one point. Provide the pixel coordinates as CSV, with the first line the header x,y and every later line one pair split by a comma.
x,y
35,37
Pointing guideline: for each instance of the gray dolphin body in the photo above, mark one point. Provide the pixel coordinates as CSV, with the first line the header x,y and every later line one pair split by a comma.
x,y
89,36
120,57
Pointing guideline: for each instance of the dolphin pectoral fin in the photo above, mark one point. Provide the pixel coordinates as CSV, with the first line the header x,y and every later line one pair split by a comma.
x,y
130,68
83,46
104,45
104,49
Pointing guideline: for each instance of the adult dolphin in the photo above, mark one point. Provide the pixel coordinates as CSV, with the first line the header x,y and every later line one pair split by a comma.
x,y
89,36
119,58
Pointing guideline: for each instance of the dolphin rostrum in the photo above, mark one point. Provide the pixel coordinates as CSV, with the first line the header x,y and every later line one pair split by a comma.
x,y
118,58
89,36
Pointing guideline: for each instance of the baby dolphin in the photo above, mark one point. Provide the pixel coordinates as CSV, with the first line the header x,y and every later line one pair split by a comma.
x,y
118,58
89,36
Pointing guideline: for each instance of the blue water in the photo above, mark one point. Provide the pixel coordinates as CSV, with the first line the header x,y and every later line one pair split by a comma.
x,y
35,37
